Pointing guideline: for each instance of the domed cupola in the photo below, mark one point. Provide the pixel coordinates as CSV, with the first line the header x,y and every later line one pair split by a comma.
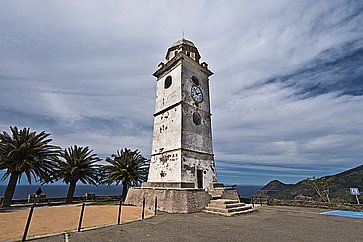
x,y
185,46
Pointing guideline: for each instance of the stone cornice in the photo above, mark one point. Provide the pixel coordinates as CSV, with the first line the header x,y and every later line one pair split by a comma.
x,y
179,57
178,103
182,148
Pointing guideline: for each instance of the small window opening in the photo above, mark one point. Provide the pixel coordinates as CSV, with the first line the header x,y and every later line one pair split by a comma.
x,y
167,82
197,119
195,80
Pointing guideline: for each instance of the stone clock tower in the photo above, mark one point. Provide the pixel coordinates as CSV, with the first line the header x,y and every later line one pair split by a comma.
x,y
182,152
182,174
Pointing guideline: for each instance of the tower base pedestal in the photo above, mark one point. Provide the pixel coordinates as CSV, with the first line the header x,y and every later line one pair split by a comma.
x,y
178,199
171,200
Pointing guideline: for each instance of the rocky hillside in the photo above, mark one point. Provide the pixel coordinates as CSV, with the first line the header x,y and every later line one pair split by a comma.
x,y
339,187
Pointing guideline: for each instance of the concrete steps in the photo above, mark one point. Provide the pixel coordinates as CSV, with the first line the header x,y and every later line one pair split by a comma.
x,y
231,214
216,194
227,207
222,202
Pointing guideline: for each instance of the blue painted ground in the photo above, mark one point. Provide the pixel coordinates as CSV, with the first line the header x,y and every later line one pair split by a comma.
x,y
351,214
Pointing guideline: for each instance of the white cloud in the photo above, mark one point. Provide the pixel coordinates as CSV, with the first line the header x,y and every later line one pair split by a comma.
x,y
82,70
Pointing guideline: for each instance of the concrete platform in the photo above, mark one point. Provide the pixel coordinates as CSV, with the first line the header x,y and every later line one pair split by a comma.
x,y
171,200
228,207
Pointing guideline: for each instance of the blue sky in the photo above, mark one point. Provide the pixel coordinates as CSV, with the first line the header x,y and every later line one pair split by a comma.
x,y
286,95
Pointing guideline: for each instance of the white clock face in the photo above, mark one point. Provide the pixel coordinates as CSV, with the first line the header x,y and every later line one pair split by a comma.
x,y
197,94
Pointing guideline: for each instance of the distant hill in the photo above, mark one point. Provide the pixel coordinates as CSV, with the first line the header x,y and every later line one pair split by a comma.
x,y
339,187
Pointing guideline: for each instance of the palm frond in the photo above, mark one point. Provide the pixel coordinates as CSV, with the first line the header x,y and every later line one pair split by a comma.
x,y
78,164
126,166
25,151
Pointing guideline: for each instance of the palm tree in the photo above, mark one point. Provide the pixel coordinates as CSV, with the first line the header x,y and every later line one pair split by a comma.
x,y
26,152
128,167
77,164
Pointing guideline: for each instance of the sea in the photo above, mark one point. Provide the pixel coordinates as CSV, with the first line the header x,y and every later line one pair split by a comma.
x,y
51,191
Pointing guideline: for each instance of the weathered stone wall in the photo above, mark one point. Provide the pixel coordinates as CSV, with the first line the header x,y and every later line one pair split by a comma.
x,y
229,193
196,137
170,200
190,69
166,97
166,158
165,167
167,130
192,161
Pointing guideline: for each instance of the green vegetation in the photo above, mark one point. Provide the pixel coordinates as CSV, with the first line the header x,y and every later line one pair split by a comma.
x,y
77,164
25,152
320,186
32,153
328,189
126,166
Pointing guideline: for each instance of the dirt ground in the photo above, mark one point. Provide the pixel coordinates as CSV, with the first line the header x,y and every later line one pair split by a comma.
x,y
269,224
50,220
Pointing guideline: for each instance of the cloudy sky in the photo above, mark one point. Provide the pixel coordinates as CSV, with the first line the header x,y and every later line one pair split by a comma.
x,y
286,95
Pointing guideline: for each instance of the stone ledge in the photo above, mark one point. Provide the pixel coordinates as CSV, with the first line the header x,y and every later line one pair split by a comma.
x,y
169,184
170,188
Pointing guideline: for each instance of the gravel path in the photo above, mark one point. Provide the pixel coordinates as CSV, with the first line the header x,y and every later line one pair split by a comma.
x,y
269,224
